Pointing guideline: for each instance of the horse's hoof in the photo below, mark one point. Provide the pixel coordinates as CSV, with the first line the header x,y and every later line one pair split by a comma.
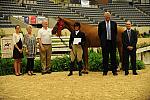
x,y
85,72
118,70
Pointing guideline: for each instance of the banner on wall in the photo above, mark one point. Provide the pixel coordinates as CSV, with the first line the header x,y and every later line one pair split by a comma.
x,y
85,3
26,19
6,47
32,19
40,19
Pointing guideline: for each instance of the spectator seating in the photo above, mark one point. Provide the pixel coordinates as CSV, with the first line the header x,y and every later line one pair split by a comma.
x,y
144,7
95,14
5,22
120,12
128,12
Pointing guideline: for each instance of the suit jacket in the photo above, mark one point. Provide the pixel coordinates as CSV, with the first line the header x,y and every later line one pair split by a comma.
x,y
102,32
132,42
79,35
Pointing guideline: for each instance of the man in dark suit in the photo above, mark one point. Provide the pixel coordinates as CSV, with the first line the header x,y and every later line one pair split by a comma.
x,y
76,43
107,31
129,40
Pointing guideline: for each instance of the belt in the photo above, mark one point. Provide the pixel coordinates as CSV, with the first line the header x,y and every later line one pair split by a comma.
x,y
109,40
46,44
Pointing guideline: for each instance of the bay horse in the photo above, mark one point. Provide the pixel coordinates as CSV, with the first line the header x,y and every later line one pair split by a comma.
x,y
91,33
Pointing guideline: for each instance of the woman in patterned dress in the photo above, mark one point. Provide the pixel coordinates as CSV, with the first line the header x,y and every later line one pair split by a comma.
x,y
30,43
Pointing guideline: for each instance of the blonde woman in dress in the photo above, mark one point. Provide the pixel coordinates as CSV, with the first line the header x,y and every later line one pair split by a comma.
x,y
30,43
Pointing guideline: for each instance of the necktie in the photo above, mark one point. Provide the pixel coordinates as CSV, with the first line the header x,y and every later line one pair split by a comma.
x,y
108,32
129,34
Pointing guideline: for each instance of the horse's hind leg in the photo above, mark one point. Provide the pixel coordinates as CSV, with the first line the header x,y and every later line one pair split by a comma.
x,y
121,57
85,59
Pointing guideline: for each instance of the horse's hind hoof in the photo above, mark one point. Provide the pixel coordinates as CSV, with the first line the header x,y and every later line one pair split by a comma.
x,y
85,72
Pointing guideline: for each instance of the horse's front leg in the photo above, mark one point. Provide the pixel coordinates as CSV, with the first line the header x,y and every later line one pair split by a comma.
x,y
85,59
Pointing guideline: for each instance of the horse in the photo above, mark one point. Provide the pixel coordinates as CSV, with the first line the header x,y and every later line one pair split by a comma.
x,y
92,38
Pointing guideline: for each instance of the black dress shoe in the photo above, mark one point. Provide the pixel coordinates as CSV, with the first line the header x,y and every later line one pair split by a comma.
x,y
104,73
126,73
115,73
135,73
43,73
49,72
70,74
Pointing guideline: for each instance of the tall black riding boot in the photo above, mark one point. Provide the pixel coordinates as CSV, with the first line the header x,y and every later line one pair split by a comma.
x,y
80,68
71,68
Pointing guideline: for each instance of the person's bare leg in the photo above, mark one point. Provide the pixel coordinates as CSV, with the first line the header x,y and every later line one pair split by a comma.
x,y
16,67
19,65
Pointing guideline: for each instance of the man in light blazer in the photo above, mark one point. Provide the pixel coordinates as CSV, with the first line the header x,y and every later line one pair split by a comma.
x,y
107,31
129,40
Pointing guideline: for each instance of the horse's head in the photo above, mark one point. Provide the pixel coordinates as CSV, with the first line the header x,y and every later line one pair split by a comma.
x,y
61,24
58,27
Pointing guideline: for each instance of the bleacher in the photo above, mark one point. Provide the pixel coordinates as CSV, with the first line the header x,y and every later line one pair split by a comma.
x,y
11,8
120,12
144,7
5,22
60,46
128,12
53,10
95,14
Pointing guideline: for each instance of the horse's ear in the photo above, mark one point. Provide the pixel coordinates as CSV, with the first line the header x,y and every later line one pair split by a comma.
x,y
60,17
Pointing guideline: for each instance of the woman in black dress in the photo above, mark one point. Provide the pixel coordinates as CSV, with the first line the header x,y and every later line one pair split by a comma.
x,y
17,51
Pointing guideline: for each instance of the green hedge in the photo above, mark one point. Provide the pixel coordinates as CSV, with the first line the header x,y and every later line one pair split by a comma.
x,y
146,35
95,60
6,66
60,64
139,65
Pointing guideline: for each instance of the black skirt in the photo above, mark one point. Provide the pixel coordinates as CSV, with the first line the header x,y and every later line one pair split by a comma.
x,y
16,53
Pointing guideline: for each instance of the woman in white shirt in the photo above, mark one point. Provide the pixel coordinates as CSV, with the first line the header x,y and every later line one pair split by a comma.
x,y
17,51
